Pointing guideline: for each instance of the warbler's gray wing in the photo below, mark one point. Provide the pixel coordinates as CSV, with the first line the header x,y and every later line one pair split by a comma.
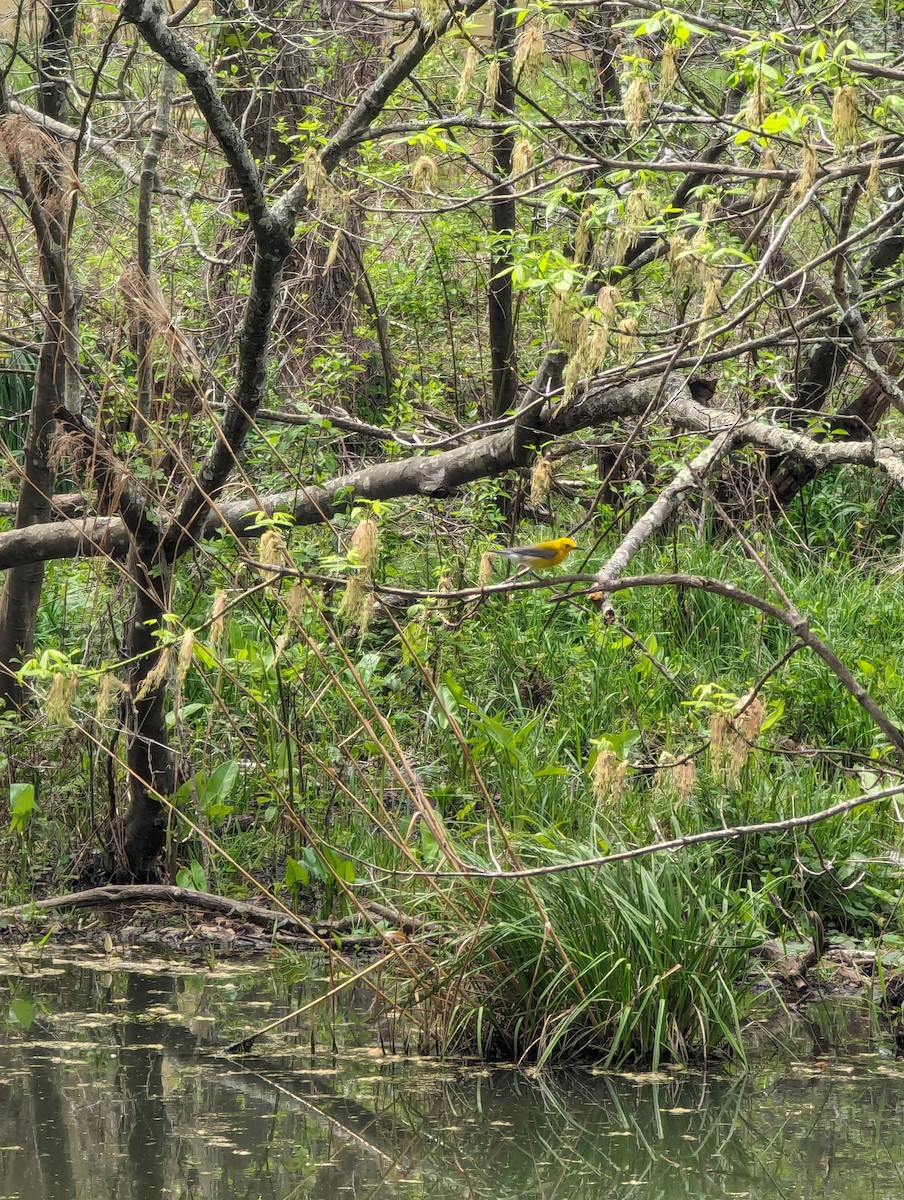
x,y
520,552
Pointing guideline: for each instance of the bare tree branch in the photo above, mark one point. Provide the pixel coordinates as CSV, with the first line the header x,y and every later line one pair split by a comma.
x,y
790,618
72,133
669,846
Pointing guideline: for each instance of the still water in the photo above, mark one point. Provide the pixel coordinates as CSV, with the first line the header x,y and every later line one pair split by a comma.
x,y
111,1085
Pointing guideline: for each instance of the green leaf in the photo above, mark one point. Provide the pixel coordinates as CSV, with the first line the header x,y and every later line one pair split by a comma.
x,y
775,714
21,805
192,877
216,812
186,711
203,655
222,780
342,868
296,873
429,846
22,1012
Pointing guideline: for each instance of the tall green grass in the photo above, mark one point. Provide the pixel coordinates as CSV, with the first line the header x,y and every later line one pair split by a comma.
x,y
16,386
638,963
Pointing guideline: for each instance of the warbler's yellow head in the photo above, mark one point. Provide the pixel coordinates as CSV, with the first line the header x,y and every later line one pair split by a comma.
x,y
567,543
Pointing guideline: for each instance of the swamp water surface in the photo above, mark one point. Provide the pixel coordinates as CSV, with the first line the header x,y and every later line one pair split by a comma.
x,y
111,1085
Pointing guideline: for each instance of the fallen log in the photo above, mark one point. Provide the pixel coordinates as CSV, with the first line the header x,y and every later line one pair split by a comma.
x,y
150,893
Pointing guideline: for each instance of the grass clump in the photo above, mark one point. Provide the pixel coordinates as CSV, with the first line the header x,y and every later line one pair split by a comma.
x,y
640,963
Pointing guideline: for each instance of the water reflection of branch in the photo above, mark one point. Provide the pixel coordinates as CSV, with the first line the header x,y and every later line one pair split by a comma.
x,y
305,1105
418,1146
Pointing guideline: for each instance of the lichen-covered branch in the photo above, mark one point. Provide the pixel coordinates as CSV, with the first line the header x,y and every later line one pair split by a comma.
x,y
666,504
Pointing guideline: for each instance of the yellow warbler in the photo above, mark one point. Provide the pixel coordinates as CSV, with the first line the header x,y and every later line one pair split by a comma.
x,y
541,556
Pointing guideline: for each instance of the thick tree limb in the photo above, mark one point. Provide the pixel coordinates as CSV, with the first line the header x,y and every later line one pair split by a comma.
x,y
149,18
63,504
85,538
441,474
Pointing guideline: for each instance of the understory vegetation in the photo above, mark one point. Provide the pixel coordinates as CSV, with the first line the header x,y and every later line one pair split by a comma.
x,y
307,313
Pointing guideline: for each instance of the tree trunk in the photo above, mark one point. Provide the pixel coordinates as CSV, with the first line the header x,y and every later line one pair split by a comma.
x,y
56,376
148,755
502,211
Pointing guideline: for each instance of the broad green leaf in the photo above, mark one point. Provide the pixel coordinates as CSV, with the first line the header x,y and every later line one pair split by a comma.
x,y
22,1012
296,873
21,805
